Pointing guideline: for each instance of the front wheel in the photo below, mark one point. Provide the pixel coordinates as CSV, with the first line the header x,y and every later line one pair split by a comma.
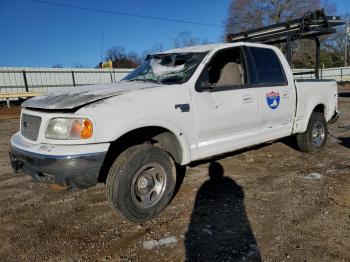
x,y
141,182
315,137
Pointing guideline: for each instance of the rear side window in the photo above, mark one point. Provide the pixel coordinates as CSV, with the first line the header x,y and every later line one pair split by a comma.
x,y
264,67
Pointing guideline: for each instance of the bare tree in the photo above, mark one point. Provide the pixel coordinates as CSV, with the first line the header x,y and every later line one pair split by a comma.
x,y
248,14
245,14
185,39
121,59
334,46
281,10
134,57
115,53
156,48
205,41
57,65
78,65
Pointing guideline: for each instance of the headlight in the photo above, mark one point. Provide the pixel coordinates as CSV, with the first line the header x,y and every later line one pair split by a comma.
x,y
69,128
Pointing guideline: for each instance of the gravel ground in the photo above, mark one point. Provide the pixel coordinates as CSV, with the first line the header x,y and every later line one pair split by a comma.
x,y
267,203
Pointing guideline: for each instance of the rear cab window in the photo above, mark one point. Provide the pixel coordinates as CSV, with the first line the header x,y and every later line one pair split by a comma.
x,y
264,67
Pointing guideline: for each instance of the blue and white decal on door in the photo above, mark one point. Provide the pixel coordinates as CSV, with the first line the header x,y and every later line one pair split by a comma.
x,y
273,99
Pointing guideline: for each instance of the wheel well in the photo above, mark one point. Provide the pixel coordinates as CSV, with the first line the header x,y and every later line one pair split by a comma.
x,y
153,135
319,108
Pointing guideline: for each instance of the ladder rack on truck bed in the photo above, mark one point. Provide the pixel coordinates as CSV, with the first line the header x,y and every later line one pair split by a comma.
x,y
311,26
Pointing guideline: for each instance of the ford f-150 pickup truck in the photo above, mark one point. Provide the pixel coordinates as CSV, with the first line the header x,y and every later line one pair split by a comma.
x,y
178,107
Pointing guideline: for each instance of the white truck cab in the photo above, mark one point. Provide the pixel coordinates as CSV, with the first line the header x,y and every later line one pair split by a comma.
x,y
179,106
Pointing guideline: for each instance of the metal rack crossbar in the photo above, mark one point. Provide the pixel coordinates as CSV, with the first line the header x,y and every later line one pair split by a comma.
x,y
311,26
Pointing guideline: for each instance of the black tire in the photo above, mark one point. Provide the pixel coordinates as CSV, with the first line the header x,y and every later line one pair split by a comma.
x,y
134,174
309,141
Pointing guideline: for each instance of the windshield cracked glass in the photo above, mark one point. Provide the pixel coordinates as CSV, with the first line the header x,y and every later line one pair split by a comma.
x,y
171,68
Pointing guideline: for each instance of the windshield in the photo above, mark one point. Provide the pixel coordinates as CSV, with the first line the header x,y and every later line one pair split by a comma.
x,y
172,68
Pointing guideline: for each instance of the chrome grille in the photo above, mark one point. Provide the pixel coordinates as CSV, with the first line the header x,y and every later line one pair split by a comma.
x,y
30,126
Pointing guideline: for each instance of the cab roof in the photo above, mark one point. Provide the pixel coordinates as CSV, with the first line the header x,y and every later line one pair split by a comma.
x,y
197,48
211,47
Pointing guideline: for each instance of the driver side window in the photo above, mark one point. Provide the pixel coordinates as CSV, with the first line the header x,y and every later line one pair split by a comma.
x,y
227,68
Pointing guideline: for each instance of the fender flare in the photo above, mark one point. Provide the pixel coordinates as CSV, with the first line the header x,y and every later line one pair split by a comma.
x,y
181,137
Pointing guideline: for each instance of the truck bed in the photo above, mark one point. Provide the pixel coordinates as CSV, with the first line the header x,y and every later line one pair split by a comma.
x,y
324,92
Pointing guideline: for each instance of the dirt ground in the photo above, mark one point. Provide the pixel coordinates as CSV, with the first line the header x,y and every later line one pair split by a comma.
x,y
274,203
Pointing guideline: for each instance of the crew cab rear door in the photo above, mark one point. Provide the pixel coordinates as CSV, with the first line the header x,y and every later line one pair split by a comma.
x,y
276,95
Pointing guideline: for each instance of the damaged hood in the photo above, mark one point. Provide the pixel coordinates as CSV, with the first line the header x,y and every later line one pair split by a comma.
x,y
72,97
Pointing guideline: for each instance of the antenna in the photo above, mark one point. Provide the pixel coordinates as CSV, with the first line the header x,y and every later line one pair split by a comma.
x,y
102,38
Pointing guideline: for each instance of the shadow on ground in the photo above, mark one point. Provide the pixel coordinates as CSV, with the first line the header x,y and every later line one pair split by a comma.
x,y
219,229
344,94
345,141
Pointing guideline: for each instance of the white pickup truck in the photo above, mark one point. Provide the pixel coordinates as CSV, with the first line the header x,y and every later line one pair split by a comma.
x,y
179,106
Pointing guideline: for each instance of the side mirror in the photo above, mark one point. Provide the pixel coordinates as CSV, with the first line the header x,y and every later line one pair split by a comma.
x,y
203,84
208,87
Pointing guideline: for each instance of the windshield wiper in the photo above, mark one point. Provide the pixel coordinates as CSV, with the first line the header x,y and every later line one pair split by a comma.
x,y
145,80
173,80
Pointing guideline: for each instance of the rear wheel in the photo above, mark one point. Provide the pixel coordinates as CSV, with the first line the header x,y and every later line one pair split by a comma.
x,y
315,137
141,182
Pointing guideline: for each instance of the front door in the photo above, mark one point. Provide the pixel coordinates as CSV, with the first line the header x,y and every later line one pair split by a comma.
x,y
227,111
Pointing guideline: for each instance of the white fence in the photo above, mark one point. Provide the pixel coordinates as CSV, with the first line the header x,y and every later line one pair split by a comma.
x,y
340,74
24,79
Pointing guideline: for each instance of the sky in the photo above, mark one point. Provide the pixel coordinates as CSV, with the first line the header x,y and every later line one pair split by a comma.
x,y
36,34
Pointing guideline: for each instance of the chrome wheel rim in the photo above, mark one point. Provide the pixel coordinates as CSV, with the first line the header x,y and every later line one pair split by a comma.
x,y
148,185
318,133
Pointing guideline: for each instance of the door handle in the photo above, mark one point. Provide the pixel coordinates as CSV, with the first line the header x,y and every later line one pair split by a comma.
x,y
286,95
247,99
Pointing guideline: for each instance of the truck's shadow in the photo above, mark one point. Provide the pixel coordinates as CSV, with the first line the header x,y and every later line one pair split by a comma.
x,y
219,229
344,94
345,141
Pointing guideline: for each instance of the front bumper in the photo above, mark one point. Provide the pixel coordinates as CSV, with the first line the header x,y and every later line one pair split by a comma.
x,y
74,171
